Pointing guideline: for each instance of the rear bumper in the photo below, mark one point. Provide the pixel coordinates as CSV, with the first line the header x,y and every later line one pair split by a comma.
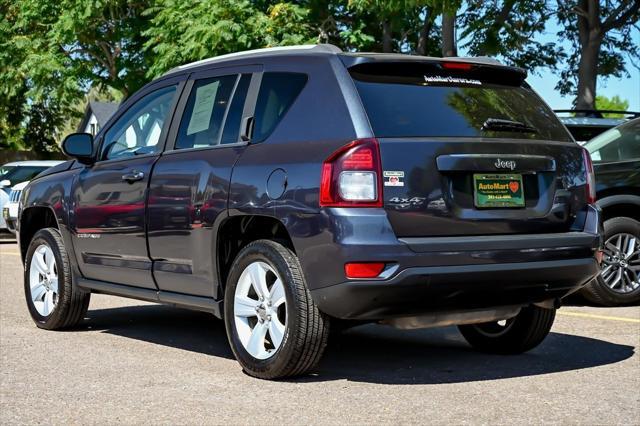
x,y
419,290
10,215
444,273
11,225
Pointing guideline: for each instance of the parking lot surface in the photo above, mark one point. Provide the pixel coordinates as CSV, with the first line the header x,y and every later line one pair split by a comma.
x,y
134,362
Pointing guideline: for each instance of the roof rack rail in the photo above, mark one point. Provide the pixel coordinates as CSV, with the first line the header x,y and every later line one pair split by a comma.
x,y
597,113
311,48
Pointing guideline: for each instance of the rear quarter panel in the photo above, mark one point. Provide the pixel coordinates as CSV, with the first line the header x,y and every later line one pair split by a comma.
x,y
319,122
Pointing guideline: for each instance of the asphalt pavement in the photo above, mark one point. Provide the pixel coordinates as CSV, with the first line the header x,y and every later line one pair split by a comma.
x,y
132,362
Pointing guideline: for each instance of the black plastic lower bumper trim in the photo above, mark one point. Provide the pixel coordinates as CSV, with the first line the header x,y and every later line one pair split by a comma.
x,y
426,289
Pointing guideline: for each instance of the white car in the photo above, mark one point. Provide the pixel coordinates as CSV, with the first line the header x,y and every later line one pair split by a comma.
x,y
15,173
10,209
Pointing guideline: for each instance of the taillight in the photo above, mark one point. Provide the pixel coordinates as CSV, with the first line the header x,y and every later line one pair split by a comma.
x,y
591,177
462,66
351,176
363,270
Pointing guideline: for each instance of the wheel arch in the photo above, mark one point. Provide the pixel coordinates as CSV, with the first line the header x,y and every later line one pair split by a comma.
x,y
236,232
623,205
32,219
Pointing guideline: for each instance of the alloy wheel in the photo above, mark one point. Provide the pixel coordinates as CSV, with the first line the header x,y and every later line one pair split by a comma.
x,y
259,309
43,280
621,263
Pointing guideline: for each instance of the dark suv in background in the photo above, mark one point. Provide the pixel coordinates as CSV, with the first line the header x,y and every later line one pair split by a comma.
x,y
616,159
586,124
289,188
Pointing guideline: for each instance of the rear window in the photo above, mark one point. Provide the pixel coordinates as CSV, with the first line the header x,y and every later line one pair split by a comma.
x,y
425,100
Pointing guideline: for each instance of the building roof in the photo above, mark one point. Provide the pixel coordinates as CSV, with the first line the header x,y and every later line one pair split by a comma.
x,y
102,110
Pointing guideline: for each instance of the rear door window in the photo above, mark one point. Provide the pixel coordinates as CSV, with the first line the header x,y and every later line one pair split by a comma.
x,y
278,91
422,100
205,112
232,124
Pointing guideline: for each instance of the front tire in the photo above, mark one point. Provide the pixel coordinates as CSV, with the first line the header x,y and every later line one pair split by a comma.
x,y
519,334
53,301
619,281
274,328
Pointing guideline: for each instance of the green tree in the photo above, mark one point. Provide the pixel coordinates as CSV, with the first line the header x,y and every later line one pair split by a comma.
x,y
508,29
102,42
388,13
27,107
396,26
181,32
614,103
52,52
601,34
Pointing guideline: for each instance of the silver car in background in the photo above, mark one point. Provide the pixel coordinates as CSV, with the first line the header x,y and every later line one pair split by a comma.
x,y
17,172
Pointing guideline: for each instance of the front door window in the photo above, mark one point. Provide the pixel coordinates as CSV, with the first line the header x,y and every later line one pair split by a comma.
x,y
138,131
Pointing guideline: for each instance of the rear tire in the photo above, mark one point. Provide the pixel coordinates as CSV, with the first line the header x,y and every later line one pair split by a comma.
x,y
53,301
274,328
602,290
519,334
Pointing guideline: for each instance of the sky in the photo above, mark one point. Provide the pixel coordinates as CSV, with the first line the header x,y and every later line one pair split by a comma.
x,y
544,81
627,88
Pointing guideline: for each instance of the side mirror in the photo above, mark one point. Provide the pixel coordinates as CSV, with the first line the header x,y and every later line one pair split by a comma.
x,y
5,183
79,146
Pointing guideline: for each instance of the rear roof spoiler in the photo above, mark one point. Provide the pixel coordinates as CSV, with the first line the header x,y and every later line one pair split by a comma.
x,y
352,59
481,68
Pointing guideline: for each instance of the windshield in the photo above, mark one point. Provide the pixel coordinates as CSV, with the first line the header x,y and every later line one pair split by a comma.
x,y
22,174
5,169
426,105
618,144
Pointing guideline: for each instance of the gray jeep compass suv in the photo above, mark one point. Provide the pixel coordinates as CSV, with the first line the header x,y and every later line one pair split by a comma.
x,y
287,189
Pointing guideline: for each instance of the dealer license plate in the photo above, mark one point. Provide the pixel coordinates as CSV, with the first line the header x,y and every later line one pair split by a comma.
x,y
498,190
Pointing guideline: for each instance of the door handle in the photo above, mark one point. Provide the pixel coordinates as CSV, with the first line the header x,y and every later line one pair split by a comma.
x,y
133,176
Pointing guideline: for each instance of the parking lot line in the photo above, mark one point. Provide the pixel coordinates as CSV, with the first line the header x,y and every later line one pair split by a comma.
x,y
594,316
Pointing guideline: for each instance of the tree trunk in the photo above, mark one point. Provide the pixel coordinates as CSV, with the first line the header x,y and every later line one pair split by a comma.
x,y
590,36
448,35
591,31
588,73
424,32
386,36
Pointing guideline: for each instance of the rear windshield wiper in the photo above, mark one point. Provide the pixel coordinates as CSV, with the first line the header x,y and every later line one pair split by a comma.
x,y
500,125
